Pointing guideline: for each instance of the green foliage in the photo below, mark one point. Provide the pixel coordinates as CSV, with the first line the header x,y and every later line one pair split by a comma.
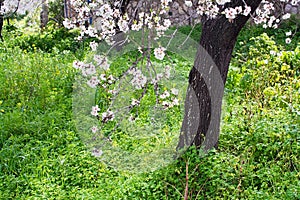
x,y
52,40
42,157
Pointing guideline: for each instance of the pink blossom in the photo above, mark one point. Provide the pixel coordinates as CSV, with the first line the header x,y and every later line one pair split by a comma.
x,y
94,129
93,82
95,110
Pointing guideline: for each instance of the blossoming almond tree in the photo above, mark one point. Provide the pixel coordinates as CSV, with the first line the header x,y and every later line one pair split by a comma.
x,y
222,21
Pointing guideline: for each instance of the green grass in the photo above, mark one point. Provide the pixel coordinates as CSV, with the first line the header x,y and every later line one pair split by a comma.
x,y
42,156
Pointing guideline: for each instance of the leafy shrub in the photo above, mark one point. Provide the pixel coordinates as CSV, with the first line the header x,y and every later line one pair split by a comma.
x,y
59,39
51,40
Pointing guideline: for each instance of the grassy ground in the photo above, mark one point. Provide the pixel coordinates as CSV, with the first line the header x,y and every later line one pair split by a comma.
x,y
42,157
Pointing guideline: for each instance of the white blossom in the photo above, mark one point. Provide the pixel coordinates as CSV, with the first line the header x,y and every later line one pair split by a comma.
x,y
230,13
239,9
110,79
174,91
135,102
136,26
222,2
288,33
166,104
159,53
102,77
188,3
93,45
167,23
164,95
247,10
68,24
286,16
123,25
175,102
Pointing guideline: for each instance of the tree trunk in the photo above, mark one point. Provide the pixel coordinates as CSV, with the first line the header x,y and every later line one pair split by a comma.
x,y
44,14
201,124
1,26
1,21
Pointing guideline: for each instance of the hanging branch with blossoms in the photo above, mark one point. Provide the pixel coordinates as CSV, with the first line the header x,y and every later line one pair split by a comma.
x,y
109,19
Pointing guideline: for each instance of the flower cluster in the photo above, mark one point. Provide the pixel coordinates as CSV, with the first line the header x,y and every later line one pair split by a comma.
x,y
93,82
108,18
108,116
169,99
102,61
86,69
105,13
153,21
104,81
265,14
94,46
139,80
231,13
123,24
208,8
212,9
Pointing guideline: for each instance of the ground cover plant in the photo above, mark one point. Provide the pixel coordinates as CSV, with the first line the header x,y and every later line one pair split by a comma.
x,y
42,156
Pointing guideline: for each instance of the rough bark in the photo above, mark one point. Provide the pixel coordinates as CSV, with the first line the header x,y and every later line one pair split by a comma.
x,y
44,14
1,26
1,21
218,39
